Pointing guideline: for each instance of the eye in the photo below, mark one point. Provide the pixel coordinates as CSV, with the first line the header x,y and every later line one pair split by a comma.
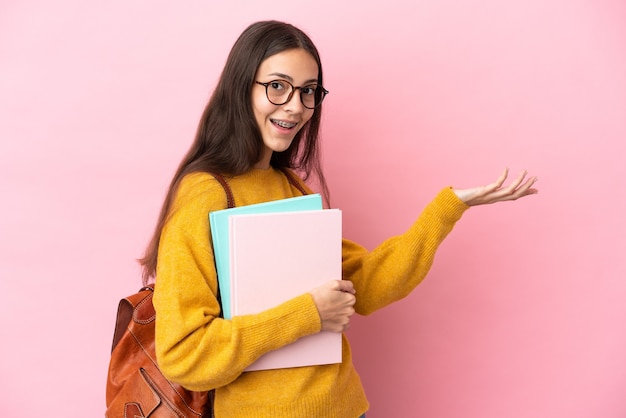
x,y
309,90
277,85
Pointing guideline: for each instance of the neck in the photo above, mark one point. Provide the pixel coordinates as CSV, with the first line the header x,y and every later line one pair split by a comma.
x,y
264,162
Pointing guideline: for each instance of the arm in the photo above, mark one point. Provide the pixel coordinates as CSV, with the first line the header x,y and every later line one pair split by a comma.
x,y
392,270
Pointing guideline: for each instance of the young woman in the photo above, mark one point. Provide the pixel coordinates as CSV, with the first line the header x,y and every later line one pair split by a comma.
x,y
264,115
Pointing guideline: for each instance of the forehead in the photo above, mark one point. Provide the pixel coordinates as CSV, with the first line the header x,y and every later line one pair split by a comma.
x,y
296,64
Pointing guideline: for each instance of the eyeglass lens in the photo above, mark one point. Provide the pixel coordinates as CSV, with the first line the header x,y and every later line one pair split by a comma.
x,y
280,92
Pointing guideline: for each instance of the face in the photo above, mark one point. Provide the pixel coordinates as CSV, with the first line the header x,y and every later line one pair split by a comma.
x,y
279,124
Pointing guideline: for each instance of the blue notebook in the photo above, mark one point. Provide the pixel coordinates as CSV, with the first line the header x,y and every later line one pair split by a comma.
x,y
220,232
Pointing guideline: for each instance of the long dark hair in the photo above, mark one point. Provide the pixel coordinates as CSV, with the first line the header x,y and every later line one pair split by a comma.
x,y
228,140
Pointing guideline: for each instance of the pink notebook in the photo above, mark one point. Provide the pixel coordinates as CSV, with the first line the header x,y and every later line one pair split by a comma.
x,y
277,256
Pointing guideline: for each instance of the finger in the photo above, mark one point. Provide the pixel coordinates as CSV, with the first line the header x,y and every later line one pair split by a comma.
x,y
512,188
345,286
350,299
523,188
521,191
502,178
495,186
526,188
500,181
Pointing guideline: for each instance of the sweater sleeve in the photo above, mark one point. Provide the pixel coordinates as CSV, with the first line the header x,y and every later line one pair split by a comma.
x,y
393,269
194,346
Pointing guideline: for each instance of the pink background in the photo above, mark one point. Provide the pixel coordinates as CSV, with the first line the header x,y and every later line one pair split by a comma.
x,y
523,314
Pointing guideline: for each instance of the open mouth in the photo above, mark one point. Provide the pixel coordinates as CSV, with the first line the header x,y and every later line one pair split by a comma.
x,y
283,124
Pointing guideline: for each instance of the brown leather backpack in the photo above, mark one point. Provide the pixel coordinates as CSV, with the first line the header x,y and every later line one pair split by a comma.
x,y
136,388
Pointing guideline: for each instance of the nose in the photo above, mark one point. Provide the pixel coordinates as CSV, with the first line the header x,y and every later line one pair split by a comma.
x,y
294,104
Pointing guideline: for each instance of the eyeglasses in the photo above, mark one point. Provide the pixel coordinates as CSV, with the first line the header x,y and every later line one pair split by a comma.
x,y
280,92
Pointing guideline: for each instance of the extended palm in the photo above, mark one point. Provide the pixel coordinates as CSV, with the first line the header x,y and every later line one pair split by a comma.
x,y
494,192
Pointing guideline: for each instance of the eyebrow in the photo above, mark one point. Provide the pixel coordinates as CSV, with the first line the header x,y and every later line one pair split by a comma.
x,y
289,78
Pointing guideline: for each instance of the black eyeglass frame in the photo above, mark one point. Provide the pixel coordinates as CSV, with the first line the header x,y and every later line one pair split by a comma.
x,y
323,93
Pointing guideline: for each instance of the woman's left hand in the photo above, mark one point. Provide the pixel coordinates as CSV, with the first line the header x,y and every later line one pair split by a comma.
x,y
494,192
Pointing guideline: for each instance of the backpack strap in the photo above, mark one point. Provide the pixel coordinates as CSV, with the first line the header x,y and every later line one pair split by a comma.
x,y
126,310
230,199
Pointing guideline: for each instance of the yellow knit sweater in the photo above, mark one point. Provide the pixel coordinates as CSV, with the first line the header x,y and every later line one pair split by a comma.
x,y
202,351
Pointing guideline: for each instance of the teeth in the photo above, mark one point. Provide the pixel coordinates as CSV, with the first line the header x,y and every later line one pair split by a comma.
x,y
284,124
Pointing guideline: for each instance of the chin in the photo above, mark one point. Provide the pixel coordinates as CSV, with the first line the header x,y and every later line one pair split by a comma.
x,y
281,146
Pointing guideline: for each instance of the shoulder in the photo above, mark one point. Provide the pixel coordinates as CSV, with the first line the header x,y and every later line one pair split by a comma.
x,y
200,191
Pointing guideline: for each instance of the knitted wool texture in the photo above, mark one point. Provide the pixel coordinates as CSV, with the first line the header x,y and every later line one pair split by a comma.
x,y
202,351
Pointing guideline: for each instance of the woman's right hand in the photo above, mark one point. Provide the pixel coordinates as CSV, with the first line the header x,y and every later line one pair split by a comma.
x,y
335,303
